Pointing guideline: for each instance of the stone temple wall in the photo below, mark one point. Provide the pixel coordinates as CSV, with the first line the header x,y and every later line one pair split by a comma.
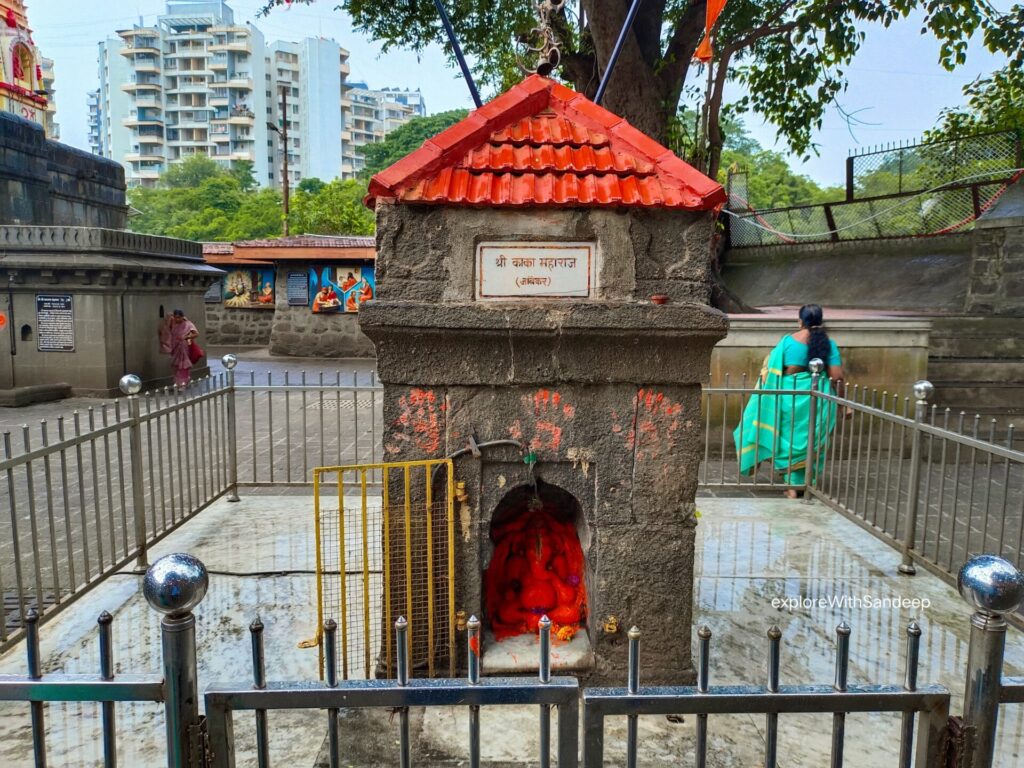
x,y
238,327
51,184
298,332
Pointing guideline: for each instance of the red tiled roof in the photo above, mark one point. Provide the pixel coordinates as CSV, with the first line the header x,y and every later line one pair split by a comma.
x,y
217,248
311,241
541,143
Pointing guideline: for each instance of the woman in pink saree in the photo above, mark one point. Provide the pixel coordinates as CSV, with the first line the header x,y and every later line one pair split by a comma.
x,y
176,335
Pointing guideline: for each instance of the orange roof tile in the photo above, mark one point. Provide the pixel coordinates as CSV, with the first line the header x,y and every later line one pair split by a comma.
x,y
540,143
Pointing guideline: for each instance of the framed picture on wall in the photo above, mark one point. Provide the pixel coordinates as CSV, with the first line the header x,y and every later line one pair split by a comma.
x,y
338,289
249,288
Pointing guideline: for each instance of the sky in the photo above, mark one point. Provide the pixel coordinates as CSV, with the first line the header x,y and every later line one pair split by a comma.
x,y
896,86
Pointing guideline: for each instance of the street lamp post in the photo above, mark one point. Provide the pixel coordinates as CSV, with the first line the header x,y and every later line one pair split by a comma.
x,y
282,132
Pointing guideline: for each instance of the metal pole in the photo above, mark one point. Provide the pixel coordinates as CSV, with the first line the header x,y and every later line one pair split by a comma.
x,y
473,636
285,188
173,586
107,707
229,362
457,50
632,687
131,385
993,587
922,391
544,673
633,8
402,649
816,366
35,671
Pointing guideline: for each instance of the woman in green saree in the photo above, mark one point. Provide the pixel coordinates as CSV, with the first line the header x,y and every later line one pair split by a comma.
x,y
774,427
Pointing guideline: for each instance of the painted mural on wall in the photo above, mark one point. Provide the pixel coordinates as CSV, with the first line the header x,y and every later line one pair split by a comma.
x,y
248,288
341,288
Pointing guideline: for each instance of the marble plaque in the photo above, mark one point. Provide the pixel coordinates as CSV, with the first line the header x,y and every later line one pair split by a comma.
x,y
548,270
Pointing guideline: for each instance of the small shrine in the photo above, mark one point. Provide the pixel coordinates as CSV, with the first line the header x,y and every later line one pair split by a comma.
x,y
543,283
21,73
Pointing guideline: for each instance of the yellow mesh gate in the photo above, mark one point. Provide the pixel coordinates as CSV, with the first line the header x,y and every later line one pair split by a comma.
x,y
385,541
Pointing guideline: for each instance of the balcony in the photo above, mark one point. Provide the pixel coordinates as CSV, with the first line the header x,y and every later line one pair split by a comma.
x,y
239,46
146,65
137,157
136,50
218,101
135,122
241,116
132,87
148,103
219,62
150,138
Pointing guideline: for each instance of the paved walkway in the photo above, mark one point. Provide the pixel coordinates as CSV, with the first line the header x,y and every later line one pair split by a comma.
x,y
749,552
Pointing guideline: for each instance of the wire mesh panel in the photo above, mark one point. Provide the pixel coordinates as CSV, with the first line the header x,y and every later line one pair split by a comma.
x,y
386,549
917,167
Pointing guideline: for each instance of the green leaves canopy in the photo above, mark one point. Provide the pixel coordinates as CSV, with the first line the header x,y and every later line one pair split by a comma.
x,y
407,138
789,54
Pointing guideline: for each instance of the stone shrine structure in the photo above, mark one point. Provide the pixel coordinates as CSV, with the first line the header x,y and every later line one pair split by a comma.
x,y
543,278
22,91
81,299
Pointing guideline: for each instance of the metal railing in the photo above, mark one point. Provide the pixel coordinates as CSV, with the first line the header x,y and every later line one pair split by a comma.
x,y
87,498
176,584
933,487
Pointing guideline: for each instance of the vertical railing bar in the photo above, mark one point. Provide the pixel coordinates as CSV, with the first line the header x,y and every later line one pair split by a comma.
x,y
184,481
910,684
252,424
878,461
270,426
366,573
956,494
450,508
288,435
970,495
407,504
1006,492
197,471
842,669
160,459
402,650
149,462
82,508
633,688
725,420
776,436
15,538
888,465
320,400
928,481
792,435
343,571
740,444
331,646
941,495
544,675
305,430
988,487
109,726
837,445
703,676
66,499
386,515
96,493
898,500
355,418
867,461
860,442
35,672
48,482
31,491
771,730
473,676
337,416
708,396
429,522
259,682
119,442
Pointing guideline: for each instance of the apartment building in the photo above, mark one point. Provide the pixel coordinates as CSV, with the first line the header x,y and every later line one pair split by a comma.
x,y
197,82
368,116
47,79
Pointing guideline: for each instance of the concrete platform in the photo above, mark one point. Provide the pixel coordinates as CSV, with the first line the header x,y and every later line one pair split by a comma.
x,y
750,551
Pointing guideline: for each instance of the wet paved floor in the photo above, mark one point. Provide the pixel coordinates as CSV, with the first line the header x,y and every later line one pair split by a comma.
x,y
749,552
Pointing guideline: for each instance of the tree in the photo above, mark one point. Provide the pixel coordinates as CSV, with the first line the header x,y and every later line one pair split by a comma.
x,y
994,103
789,54
336,208
190,172
199,200
406,138
310,184
244,172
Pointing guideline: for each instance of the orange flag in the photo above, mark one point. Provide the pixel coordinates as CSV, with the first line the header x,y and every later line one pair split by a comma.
x,y
714,10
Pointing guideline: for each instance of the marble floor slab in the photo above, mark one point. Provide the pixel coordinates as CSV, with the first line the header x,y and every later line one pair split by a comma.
x,y
750,552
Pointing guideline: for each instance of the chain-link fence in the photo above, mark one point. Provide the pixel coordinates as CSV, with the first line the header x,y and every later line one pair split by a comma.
x,y
920,167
